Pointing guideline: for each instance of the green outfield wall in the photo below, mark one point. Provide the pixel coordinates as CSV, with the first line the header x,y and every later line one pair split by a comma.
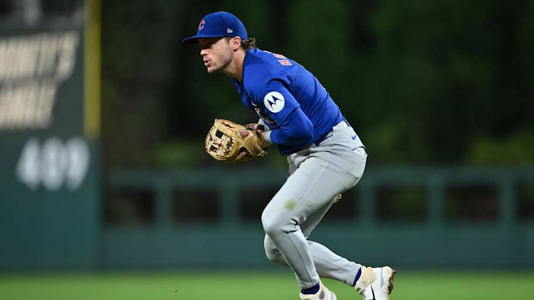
x,y
49,147
403,216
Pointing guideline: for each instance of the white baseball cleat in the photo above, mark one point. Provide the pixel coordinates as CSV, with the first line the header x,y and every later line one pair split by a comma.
x,y
322,294
375,283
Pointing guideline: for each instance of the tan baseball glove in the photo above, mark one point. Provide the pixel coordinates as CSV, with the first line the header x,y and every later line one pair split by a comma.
x,y
226,140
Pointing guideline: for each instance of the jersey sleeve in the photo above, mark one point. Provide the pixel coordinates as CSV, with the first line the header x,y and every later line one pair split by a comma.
x,y
281,107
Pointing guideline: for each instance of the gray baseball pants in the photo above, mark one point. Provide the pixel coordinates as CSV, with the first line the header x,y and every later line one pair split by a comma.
x,y
316,175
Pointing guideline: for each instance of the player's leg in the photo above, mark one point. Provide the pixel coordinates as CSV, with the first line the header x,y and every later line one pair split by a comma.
x,y
308,191
372,283
283,215
343,165
281,221
327,263
330,265
345,162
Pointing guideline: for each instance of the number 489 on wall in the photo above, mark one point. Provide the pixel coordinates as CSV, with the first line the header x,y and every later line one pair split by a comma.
x,y
54,163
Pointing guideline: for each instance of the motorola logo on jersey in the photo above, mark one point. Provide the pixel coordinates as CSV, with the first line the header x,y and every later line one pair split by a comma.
x,y
274,101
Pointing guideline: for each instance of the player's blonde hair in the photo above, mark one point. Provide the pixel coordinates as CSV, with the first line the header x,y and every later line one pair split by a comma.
x,y
248,43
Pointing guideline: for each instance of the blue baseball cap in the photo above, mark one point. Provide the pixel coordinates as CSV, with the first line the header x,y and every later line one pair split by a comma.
x,y
219,24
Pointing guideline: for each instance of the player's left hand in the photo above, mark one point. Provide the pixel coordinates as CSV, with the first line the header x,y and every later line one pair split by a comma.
x,y
229,141
256,127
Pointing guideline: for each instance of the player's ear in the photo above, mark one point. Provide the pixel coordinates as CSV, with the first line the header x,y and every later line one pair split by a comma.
x,y
235,43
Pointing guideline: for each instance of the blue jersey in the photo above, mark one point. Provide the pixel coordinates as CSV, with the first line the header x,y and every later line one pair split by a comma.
x,y
288,98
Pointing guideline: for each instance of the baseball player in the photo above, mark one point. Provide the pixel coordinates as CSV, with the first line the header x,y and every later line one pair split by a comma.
x,y
325,155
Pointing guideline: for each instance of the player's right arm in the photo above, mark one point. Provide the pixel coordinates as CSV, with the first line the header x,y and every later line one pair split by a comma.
x,y
293,126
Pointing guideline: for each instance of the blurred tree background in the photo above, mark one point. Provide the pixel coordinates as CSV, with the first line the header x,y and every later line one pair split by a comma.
x,y
423,82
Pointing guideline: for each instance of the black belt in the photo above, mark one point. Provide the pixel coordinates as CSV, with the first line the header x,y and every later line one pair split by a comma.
x,y
321,139
318,141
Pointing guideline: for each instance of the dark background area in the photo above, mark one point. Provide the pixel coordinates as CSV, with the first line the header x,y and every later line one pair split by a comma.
x,y
441,82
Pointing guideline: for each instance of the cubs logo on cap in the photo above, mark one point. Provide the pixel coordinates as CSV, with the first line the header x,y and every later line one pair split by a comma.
x,y
219,24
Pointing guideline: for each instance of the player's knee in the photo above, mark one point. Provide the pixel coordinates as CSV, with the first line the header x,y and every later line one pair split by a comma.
x,y
276,223
275,226
271,251
266,220
272,225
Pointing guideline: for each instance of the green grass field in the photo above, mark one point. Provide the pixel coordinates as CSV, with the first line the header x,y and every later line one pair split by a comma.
x,y
218,285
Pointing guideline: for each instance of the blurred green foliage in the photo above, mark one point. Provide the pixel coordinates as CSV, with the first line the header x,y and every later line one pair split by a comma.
x,y
423,82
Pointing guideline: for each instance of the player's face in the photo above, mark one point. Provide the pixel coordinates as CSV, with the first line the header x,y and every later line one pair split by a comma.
x,y
216,53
